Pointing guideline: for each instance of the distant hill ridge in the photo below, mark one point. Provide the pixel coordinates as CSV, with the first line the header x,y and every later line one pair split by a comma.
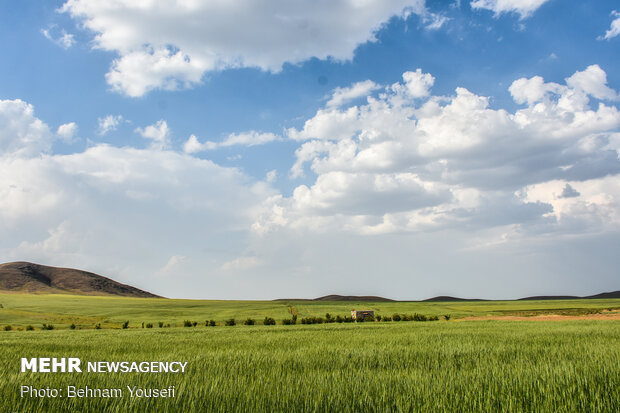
x,y
446,298
335,297
27,277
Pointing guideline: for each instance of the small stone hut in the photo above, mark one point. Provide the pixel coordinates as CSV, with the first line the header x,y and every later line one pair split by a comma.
x,y
363,314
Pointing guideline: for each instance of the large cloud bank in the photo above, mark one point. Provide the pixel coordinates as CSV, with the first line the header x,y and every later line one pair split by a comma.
x,y
167,44
405,160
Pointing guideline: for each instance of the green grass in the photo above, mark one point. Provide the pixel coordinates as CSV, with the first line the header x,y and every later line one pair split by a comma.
x,y
490,366
21,310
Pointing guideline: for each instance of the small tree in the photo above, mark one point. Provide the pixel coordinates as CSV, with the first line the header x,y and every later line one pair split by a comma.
x,y
187,323
230,322
447,317
161,324
396,317
268,321
72,326
125,324
249,322
149,325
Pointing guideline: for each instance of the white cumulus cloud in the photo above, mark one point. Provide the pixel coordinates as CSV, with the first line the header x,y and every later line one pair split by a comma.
x,y
67,131
109,123
119,211
158,132
21,133
410,161
614,30
250,138
59,37
344,95
165,44
524,8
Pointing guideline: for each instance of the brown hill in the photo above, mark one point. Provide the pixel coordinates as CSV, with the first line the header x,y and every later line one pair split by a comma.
x,y
446,298
26,277
611,294
335,297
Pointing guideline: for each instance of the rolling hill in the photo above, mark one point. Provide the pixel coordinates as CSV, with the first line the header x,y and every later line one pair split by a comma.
x,y
26,277
335,297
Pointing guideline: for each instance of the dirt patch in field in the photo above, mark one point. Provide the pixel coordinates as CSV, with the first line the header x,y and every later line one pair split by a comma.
x,y
547,317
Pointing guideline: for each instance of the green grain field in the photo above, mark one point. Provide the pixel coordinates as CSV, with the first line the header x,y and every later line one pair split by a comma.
x,y
62,310
453,366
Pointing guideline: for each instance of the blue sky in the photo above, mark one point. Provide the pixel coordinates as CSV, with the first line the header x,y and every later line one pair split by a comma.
x,y
272,148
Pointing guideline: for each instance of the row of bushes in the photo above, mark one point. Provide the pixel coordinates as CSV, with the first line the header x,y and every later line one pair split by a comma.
x,y
269,321
30,328
327,319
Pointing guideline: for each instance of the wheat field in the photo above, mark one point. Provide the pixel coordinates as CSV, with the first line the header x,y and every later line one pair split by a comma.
x,y
486,366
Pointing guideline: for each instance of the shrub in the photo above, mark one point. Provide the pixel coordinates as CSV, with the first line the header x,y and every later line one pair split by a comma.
x,y
290,321
386,318
211,323
98,326
378,318
126,324
143,324
29,328
446,317
230,322
396,317
268,321
194,323
47,327
419,317
8,328
329,318
149,325
249,322
339,319
348,319
72,326
433,318
161,324
187,323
